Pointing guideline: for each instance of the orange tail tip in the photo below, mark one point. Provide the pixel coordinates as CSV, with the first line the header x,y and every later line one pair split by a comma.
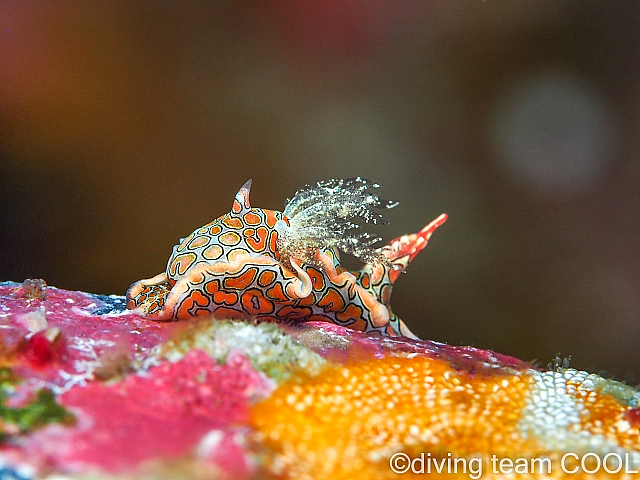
x,y
404,249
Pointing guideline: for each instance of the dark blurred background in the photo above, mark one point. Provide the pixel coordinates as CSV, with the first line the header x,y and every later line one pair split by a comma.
x,y
126,125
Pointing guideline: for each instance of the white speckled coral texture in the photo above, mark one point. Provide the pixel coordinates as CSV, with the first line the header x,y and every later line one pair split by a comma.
x,y
555,410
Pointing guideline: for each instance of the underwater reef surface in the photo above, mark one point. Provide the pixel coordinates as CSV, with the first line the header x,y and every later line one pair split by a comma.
x,y
89,389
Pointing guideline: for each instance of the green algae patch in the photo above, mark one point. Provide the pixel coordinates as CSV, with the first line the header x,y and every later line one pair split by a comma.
x,y
41,411
269,349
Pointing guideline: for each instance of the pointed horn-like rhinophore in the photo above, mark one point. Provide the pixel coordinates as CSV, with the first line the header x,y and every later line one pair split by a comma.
x,y
241,202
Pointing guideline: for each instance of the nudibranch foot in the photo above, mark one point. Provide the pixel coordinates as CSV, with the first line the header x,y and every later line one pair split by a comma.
x,y
284,266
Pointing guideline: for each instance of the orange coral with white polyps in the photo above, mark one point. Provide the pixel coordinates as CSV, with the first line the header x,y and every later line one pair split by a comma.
x,y
350,421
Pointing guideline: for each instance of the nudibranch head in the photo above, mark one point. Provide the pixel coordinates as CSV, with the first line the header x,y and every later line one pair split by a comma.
x,y
284,266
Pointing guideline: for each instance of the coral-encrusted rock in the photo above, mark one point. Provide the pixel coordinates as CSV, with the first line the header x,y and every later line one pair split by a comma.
x,y
88,389
162,414
151,409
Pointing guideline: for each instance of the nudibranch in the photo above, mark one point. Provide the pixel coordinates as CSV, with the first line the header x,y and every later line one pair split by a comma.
x,y
284,267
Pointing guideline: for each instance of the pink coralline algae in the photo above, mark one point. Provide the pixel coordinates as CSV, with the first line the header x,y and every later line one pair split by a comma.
x,y
59,342
91,389
332,337
162,414
151,408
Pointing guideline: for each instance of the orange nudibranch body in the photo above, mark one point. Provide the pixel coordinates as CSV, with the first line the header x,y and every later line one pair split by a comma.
x,y
239,266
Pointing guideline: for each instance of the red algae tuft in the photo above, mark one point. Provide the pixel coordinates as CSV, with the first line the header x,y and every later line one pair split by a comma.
x,y
39,352
633,416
